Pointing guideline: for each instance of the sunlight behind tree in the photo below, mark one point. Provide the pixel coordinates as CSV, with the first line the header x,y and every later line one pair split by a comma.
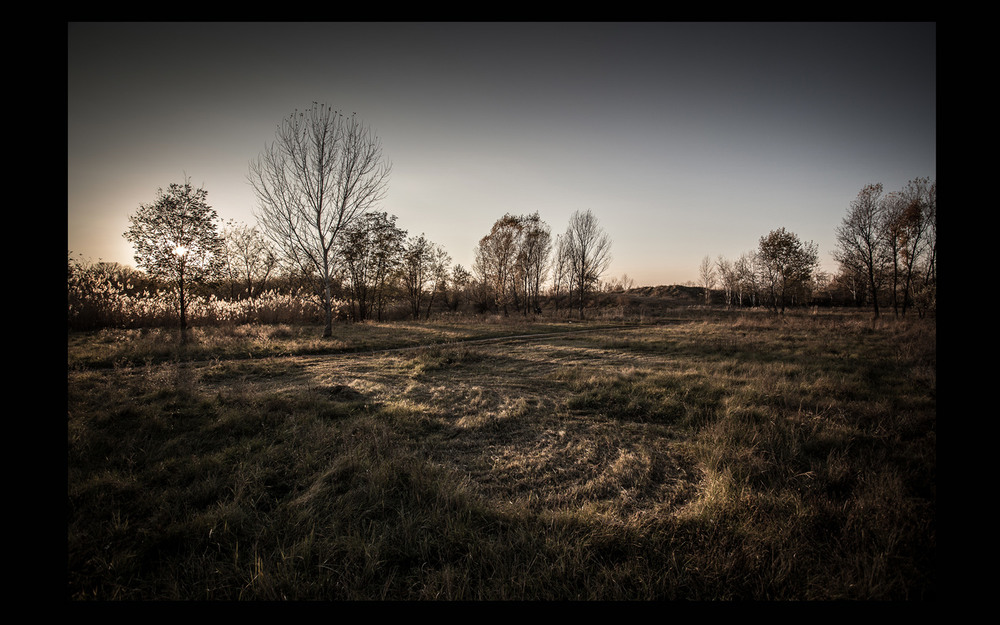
x,y
176,238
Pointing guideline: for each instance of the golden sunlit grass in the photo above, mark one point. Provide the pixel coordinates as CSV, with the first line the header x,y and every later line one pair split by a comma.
x,y
740,457
106,347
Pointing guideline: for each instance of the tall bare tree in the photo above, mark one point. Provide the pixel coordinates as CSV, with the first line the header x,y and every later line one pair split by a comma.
x,y
589,250
321,172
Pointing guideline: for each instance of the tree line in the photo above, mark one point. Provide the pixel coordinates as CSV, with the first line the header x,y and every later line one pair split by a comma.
x,y
779,273
319,234
233,271
887,247
886,254
318,185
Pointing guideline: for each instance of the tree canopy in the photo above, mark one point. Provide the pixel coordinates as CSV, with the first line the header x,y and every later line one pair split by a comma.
x,y
787,264
176,238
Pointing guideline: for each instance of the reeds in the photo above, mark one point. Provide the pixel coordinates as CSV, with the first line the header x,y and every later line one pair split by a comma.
x,y
99,297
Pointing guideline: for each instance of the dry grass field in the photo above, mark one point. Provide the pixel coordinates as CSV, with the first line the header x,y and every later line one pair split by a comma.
x,y
708,456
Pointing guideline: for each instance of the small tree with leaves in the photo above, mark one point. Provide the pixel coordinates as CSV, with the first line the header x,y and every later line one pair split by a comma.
x,y
372,249
787,264
176,238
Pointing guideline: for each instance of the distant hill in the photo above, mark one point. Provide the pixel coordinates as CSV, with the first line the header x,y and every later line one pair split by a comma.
x,y
651,298
675,291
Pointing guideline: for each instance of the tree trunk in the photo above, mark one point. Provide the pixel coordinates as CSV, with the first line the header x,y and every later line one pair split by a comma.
x,y
328,306
183,307
874,290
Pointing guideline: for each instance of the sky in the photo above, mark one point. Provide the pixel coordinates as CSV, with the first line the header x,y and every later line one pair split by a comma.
x,y
684,139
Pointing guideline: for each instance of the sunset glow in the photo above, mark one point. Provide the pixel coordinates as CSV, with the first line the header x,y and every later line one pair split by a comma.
x,y
684,139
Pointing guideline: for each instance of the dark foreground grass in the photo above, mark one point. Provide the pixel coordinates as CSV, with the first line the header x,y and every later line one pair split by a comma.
x,y
750,457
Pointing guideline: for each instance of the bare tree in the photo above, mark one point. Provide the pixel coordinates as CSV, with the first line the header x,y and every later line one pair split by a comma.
x,y
533,259
461,282
747,270
925,293
707,275
415,270
249,259
906,230
859,239
496,258
621,284
728,277
561,266
321,172
852,279
440,262
424,271
589,250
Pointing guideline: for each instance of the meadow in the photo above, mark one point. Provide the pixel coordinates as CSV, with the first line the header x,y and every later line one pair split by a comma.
x,y
696,456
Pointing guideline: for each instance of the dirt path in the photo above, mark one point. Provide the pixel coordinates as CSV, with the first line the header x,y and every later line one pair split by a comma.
x,y
518,338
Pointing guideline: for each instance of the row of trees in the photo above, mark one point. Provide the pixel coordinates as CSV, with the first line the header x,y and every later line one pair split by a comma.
x,y
887,246
380,264
781,272
886,251
317,185
379,268
375,265
514,260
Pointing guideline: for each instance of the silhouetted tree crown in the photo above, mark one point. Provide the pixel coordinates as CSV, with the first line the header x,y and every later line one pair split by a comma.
x,y
176,238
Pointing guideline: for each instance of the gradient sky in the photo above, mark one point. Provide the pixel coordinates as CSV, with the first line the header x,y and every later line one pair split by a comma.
x,y
684,139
